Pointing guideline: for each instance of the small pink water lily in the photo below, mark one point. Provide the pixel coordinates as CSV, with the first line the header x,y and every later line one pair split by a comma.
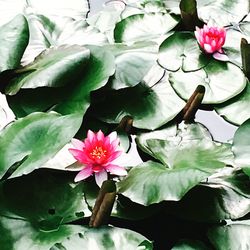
x,y
97,154
211,39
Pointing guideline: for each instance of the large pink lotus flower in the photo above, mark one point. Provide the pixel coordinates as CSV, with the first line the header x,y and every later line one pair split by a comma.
x,y
97,154
211,38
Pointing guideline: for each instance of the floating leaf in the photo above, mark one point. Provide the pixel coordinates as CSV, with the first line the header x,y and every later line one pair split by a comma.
x,y
190,245
221,12
241,145
147,104
76,9
222,196
152,182
46,33
20,235
63,201
112,238
31,141
142,27
234,235
217,77
191,146
14,38
181,50
236,110
53,68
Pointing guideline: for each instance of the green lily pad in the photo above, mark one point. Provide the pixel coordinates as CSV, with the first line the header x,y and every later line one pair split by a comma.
x,y
52,68
241,145
142,27
190,245
181,50
73,97
14,38
217,77
190,146
103,238
18,234
76,9
222,12
189,157
31,141
46,33
63,202
222,196
234,235
236,110
152,182
147,104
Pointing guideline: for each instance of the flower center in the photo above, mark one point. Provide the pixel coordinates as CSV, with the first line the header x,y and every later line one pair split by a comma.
x,y
98,153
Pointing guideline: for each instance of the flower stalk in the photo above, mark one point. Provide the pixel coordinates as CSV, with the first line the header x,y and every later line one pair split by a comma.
x,y
103,205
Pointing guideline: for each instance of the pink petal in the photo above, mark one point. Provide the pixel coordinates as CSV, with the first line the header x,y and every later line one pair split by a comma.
x,y
115,143
100,177
112,136
79,155
100,135
117,170
220,57
77,144
90,135
83,174
208,48
114,155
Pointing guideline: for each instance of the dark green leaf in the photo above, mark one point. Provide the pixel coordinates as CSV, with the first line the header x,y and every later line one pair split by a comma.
x,y
222,196
46,198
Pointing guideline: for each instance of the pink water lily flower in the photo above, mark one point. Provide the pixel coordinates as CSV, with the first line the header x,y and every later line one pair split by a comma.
x,y
211,39
97,154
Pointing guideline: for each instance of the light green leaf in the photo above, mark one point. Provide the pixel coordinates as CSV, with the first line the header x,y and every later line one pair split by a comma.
x,y
241,145
217,77
152,182
132,62
222,12
190,245
234,235
190,146
76,9
181,50
142,27
14,37
150,104
20,235
104,238
236,110
53,68
31,141
46,33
